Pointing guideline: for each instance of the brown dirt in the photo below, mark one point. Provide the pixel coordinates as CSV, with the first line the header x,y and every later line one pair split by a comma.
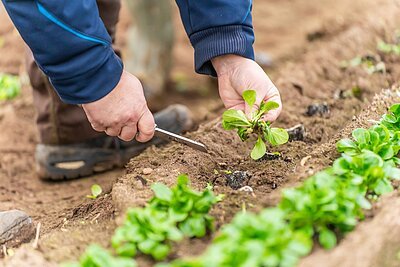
x,y
307,72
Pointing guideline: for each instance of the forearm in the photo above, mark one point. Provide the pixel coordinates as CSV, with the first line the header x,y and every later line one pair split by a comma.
x,y
70,44
218,27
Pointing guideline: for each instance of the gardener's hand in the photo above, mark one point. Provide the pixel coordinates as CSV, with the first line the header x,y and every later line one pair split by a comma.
x,y
123,112
237,74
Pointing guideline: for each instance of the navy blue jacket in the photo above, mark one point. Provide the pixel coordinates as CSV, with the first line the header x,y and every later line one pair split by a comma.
x,y
72,47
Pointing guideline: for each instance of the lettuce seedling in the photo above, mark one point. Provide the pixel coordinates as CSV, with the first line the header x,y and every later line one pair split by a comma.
x,y
96,191
391,120
258,240
265,239
253,123
369,171
96,256
10,87
323,205
369,63
389,48
187,207
171,215
147,230
377,139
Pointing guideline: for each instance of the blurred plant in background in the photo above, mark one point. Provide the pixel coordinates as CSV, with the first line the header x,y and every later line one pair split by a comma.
x,y
10,86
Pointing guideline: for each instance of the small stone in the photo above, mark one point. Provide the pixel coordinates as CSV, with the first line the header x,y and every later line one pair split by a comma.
x,y
270,156
318,109
147,171
288,159
142,180
15,226
297,133
237,179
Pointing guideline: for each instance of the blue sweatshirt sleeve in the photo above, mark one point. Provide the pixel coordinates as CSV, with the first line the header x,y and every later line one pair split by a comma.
x,y
217,27
70,44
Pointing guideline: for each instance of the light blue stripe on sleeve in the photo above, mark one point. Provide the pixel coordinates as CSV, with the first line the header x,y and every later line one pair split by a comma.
x,y
248,11
55,20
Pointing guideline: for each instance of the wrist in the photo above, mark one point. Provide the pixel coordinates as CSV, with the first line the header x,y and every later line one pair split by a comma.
x,y
223,64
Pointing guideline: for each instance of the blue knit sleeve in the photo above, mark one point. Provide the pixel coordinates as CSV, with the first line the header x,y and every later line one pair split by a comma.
x,y
217,27
70,44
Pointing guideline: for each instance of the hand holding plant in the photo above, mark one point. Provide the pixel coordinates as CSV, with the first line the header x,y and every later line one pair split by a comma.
x,y
253,123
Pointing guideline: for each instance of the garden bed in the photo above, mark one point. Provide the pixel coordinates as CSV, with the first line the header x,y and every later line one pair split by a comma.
x,y
316,78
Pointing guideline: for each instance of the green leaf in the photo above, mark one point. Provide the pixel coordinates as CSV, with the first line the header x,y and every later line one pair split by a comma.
x,y
162,191
183,179
126,250
147,246
361,136
395,109
250,97
347,146
259,149
340,166
96,256
160,252
268,106
174,234
327,238
390,118
265,107
194,227
382,187
386,152
233,118
364,203
96,190
278,136
10,86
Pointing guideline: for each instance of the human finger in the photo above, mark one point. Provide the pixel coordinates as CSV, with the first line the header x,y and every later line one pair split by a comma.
x,y
146,126
98,128
128,132
113,131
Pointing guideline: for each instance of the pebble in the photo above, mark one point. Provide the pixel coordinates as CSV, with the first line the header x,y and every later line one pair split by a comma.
x,y
147,171
318,109
237,179
297,133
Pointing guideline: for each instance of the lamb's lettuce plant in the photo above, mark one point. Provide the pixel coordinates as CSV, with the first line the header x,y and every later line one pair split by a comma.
x,y
253,124
171,215
96,256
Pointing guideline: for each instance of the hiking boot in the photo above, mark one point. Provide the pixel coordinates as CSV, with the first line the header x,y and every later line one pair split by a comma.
x,y
59,162
15,227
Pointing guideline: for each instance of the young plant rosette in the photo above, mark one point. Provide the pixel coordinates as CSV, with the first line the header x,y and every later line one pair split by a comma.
x,y
254,124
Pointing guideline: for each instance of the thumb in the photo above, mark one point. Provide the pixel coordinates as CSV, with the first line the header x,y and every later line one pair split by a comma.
x,y
146,126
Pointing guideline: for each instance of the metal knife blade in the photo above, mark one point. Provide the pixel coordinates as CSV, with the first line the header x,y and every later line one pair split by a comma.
x,y
163,134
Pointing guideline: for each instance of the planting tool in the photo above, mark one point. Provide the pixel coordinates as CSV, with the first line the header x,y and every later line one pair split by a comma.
x,y
163,134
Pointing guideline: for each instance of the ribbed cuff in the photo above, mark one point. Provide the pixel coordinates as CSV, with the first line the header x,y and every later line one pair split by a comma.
x,y
218,41
93,85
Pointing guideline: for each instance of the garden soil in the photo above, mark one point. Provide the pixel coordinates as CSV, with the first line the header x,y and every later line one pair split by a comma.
x,y
307,41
